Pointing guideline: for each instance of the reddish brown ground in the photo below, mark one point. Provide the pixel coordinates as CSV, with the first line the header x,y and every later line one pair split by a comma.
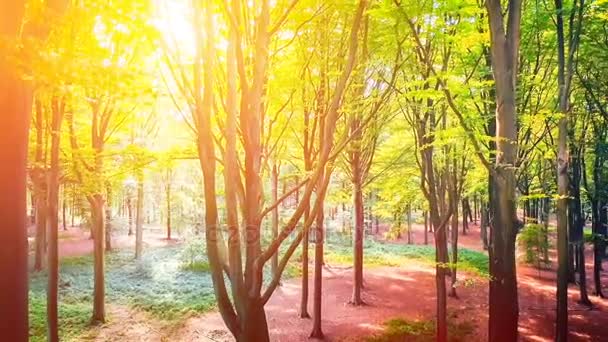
x,y
390,292
409,292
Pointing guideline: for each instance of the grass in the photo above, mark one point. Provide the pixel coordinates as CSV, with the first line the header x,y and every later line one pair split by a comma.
x,y
392,254
398,329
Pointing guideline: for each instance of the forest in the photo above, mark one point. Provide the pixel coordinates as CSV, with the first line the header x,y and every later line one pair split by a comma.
x,y
294,170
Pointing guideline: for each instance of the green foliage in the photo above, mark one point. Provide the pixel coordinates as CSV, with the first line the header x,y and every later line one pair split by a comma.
x,y
73,317
391,254
399,329
533,239
193,256
157,284
394,232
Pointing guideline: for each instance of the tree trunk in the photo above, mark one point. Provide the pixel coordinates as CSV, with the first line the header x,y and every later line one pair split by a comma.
x,y
317,332
254,326
426,228
139,229
97,221
274,264
454,261
53,211
108,213
598,244
357,243
466,213
41,227
304,297
440,272
409,224
130,213
168,194
64,211
504,46
15,111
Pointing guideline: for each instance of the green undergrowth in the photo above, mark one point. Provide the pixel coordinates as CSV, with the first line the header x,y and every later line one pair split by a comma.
x,y
398,329
391,254
168,283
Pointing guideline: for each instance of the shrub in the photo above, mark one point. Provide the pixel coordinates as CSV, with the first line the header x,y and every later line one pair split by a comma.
x,y
193,255
534,241
394,232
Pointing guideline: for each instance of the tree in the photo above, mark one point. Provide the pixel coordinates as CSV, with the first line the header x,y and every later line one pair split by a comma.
x,y
15,104
504,48
244,315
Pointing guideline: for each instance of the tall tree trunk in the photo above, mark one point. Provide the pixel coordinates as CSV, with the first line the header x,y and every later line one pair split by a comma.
x,y
274,264
139,229
130,212
466,213
317,332
15,107
53,211
64,205
41,227
168,198
97,221
454,231
357,239
108,213
504,46
304,295
598,244
409,224
426,227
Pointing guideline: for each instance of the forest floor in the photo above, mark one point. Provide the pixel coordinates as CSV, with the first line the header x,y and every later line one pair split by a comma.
x,y
403,291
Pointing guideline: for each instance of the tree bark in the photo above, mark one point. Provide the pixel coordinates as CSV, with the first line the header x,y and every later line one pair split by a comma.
x,y
454,261
357,240
53,210
317,332
108,213
168,198
274,264
426,227
139,217
15,108
504,47
98,218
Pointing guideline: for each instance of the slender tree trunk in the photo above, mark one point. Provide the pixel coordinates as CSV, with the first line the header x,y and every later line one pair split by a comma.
x,y
97,218
317,332
409,224
304,297
130,213
274,264
108,213
139,229
358,243
454,260
598,245
426,227
53,210
41,227
168,194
